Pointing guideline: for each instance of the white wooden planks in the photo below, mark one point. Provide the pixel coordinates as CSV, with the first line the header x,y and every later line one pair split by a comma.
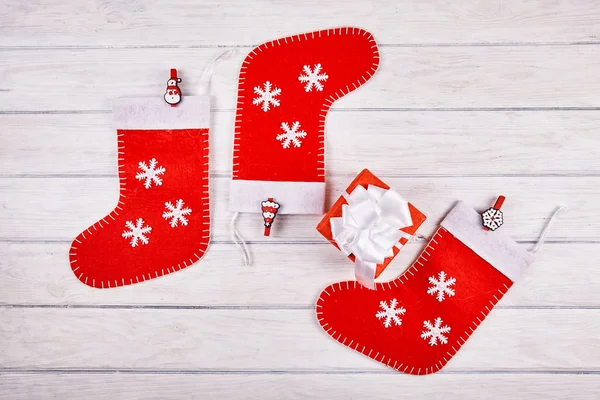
x,y
408,77
417,143
235,22
384,386
60,208
473,98
38,274
272,339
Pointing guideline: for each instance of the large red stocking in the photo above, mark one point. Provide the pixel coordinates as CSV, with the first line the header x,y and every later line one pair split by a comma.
x,y
161,223
418,322
286,87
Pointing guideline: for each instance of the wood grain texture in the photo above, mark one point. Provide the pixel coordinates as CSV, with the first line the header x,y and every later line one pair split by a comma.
x,y
562,276
235,22
384,386
413,77
473,98
417,143
273,339
59,208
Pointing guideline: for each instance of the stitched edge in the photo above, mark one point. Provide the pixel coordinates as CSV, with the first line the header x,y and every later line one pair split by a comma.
x,y
403,278
328,102
122,190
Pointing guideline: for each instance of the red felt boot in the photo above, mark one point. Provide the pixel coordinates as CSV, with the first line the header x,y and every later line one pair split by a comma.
x,y
417,322
161,223
286,87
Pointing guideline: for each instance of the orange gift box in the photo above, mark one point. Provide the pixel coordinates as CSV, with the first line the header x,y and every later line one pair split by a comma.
x,y
366,178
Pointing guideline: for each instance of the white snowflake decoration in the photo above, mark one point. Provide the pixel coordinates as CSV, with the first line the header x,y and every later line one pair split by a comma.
x,y
492,218
441,286
291,135
150,174
390,313
137,232
176,213
313,78
266,96
435,332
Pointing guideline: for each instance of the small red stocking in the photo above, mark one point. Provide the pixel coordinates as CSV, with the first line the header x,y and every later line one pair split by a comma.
x,y
417,322
286,87
161,223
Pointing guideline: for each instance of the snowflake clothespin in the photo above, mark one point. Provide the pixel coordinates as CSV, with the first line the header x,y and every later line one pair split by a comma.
x,y
492,218
269,210
173,93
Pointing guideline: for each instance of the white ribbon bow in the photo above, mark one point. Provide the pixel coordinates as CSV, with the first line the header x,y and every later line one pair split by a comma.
x,y
370,227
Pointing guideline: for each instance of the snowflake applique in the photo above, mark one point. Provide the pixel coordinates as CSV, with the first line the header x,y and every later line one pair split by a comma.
x,y
137,232
266,96
150,174
390,313
176,213
313,78
435,332
441,286
291,135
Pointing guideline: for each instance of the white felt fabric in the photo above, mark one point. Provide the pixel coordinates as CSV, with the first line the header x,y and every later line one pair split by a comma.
x,y
294,197
155,113
503,253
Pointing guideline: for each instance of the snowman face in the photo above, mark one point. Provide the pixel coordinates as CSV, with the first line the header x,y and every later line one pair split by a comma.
x,y
268,215
172,98
172,82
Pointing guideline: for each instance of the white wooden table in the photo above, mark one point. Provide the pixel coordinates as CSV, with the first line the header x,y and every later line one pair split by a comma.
x,y
473,98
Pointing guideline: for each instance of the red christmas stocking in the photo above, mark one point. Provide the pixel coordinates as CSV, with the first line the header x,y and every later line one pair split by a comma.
x,y
417,322
286,87
161,223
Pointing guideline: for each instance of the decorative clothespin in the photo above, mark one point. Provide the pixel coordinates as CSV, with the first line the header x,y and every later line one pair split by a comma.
x,y
269,212
492,218
173,93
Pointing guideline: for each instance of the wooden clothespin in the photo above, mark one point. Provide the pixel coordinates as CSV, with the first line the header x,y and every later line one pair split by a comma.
x,y
269,210
493,218
173,93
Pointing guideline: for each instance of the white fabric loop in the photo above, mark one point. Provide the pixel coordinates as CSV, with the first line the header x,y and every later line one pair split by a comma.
x,y
542,239
210,68
239,241
369,228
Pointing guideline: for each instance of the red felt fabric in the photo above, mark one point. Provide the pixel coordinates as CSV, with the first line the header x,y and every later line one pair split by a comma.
x,y
348,56
347,311
366,178
102,258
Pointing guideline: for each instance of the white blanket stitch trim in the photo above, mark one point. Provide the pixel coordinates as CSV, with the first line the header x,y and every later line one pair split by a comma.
x,y
403,279
329,101
122,190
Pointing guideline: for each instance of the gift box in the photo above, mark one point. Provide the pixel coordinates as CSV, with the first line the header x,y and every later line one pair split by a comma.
x,y
370,221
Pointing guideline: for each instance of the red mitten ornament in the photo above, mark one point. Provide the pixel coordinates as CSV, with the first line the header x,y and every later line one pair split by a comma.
x,y
161,223
286,87
418,322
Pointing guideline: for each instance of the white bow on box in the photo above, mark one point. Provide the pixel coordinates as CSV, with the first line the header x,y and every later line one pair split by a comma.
x,y
369,228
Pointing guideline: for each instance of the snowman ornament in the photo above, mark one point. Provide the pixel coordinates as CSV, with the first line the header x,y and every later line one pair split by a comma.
x,y
173,93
